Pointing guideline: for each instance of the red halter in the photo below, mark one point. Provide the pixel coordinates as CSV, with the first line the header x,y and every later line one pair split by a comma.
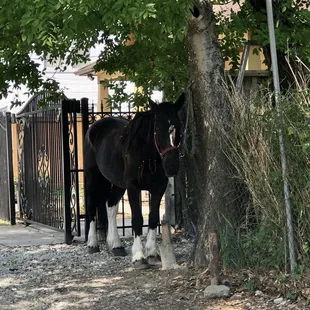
x,y
168,149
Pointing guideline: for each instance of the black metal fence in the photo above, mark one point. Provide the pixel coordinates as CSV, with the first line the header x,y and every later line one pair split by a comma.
x,y
47,160
50,187
7,197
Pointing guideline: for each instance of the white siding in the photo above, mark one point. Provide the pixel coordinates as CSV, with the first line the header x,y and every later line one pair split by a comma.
x,y
77,87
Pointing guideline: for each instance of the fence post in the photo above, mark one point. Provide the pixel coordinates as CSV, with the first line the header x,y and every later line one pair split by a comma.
x,y
10,169
85,125
74,163
66,170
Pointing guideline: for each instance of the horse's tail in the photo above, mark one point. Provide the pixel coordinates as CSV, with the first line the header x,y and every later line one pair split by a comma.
x,y
88,140
96,207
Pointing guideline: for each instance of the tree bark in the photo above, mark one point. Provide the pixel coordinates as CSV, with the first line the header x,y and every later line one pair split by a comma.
x,y
210,186
214,263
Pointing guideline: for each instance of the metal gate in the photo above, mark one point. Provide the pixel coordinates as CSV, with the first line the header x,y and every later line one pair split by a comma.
x,y
46,163
7,199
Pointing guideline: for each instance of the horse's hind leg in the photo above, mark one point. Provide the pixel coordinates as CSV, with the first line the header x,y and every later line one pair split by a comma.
x,y
92,241
113,240
96,187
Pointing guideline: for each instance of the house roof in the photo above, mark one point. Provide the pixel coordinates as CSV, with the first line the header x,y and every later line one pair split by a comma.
x,y
86,70
20,95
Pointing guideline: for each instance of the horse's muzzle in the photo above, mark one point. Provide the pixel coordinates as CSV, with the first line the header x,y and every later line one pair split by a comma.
x,y
171,164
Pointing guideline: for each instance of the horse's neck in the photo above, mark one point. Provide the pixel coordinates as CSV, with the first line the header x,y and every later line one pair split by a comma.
x,y
144,139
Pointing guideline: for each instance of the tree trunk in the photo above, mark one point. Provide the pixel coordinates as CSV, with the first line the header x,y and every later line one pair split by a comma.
x,y
210,186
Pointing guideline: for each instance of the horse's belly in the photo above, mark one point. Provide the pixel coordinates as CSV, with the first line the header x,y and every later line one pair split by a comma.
x,y
113,178
111,166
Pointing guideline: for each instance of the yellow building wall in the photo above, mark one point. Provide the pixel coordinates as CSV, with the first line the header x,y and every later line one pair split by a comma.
x,y
103,91
255,62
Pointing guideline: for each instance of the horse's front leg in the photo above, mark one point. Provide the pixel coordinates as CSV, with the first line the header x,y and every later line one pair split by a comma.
x,y
138,257
152,255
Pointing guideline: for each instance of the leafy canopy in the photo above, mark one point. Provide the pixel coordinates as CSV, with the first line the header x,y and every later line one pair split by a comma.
x,y
63,31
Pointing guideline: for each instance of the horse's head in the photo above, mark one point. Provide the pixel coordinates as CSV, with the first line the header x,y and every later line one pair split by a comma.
x,y
167,133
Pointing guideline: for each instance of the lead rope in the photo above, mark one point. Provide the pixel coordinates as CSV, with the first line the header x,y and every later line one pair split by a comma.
x,y
183,136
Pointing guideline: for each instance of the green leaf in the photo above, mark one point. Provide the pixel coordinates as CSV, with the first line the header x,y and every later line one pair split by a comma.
x,y
291,131
24,37
305,146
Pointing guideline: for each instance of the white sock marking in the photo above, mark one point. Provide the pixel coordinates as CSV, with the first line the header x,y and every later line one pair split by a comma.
x,y
137,249
92,235
150,247
113,237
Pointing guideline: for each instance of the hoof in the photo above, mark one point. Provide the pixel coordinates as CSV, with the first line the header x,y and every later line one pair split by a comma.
x,y
154,260
120,251
93,249
141,264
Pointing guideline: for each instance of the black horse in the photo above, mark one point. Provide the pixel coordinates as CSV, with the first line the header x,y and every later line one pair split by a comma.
x,y
135,155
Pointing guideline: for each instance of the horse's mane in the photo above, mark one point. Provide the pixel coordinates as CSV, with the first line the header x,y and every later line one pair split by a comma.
x,y
140,121
141,125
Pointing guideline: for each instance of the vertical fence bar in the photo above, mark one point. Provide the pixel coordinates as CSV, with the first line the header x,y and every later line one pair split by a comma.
x,y
85,125
66,171
10,168
4,186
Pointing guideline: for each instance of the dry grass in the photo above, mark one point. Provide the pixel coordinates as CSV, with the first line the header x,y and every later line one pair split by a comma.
x,y
4,222
258,237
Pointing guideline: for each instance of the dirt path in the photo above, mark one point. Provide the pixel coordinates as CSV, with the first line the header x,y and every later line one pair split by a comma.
x,y
61,277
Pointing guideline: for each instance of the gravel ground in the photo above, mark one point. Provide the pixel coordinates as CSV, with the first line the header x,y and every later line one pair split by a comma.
x,y
62,277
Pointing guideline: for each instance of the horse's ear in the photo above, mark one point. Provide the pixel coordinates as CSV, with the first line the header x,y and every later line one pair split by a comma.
x,y
152,104
179,103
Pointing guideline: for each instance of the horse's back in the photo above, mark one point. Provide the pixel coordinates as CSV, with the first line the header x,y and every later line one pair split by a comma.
x,y
103,148
103,128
